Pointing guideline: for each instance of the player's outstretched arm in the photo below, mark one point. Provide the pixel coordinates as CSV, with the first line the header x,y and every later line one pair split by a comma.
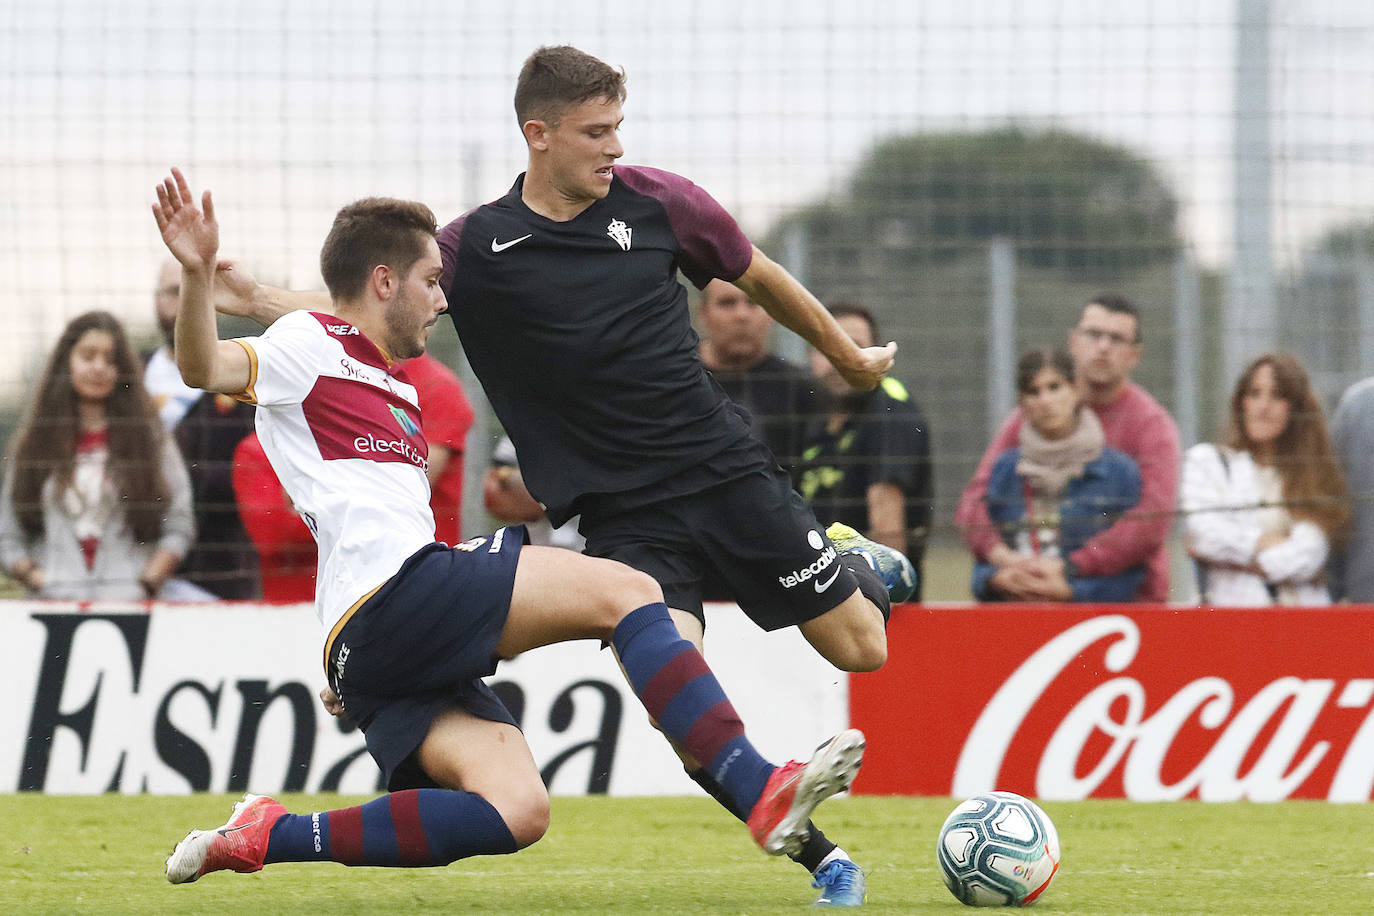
x,y
191,234
237,292
792,306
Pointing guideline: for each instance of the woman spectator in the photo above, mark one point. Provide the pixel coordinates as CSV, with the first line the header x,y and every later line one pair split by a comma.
x,y
96,501
1056,489
1263,509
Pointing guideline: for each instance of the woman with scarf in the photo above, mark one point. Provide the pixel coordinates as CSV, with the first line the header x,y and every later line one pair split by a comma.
x,y
1056,489
1264,507
96,502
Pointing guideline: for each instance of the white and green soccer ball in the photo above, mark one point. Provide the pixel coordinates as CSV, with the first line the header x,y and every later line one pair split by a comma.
x,y
998,849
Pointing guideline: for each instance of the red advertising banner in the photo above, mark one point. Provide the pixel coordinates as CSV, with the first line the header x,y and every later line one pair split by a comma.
x,y
1122,701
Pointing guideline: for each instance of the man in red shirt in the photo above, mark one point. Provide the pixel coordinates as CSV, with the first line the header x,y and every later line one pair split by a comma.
x,y
1106,346
446,417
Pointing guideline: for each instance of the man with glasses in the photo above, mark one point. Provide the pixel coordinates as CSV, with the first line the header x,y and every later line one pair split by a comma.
x,y
1106,346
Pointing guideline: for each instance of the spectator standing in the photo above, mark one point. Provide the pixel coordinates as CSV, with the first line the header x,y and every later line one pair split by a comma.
x,y
207,427
866,454
1351,568
778,395
287,556
1106,346
96,503
1056,489
1263,508
446,416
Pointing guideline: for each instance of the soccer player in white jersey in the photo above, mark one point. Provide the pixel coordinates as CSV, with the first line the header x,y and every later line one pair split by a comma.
x,y
410,625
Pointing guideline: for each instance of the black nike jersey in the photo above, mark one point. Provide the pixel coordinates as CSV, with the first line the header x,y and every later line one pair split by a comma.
x,y
580,334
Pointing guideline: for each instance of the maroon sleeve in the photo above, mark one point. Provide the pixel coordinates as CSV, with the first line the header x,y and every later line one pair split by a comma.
x,y
972,515
711,244
449,238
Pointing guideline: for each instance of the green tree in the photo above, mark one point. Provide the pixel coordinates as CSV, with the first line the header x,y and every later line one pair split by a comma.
x,y
1065,200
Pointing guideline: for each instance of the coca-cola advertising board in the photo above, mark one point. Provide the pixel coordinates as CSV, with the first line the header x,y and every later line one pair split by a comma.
x,y
1142,702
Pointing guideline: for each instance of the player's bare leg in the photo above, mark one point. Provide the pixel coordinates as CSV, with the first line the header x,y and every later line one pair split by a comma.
x,y
561,595
851,636
490,759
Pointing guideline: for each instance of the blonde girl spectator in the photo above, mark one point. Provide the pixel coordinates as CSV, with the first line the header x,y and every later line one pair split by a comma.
x,y
96,501
1263,508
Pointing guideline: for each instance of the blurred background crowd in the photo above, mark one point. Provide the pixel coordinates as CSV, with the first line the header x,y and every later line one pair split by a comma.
x,y
1127,253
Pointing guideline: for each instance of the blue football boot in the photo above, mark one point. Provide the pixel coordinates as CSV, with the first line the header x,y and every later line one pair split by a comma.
x,y
891,565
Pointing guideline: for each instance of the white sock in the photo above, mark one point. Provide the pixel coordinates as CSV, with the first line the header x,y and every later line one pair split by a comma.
x,y
836,854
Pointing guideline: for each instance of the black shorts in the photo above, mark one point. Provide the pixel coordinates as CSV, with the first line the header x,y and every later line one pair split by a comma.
x,y
751,535
422,644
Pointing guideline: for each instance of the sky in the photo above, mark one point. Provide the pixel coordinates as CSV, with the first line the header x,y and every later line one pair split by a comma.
x,y
288,110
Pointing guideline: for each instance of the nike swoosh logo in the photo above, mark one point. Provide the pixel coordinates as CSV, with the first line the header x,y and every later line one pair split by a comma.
x,y
498,247
822,586
225,831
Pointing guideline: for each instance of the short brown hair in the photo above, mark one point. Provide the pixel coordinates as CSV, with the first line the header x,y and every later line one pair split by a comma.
x,y
1033,361
557,78
849,309
369,232
1117,304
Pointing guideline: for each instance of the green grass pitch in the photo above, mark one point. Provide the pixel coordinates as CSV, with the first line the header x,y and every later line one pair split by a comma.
x,y
104,855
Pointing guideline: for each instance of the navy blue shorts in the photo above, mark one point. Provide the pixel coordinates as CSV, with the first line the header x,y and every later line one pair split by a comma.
x,y
751,537
422,644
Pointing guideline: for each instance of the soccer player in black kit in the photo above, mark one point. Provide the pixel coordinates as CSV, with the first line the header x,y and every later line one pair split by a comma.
x,y
565,295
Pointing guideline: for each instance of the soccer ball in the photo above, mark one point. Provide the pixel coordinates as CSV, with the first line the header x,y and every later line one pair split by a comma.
x,y
998,849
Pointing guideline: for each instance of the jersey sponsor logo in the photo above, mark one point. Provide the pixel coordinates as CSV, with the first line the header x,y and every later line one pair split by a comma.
x,y
370,445
620,232
350,419
498,247
341,330
403,420
350,369
807,573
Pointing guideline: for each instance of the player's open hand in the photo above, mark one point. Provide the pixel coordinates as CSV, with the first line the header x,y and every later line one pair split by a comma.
x,y
190,233
873,364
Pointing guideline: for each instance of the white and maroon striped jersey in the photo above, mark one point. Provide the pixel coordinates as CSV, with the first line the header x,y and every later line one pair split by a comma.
x,y
340,424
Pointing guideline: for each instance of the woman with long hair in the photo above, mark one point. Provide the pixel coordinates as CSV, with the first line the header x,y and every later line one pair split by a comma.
x,y
1264,507
96,501
1056,489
